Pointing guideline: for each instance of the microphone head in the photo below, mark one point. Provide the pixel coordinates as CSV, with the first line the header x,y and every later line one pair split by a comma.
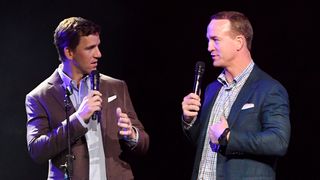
x,y
200,67
95,79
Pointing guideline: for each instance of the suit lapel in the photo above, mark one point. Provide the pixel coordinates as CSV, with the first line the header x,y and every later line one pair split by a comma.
x,y
57,90
245,93
211,95
210,99
105,94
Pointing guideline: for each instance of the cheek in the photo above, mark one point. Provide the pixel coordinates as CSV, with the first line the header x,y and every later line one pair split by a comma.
x,y
82,60
227,49
83,57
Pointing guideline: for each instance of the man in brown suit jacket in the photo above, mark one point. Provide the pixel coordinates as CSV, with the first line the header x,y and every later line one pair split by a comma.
x,y
100,147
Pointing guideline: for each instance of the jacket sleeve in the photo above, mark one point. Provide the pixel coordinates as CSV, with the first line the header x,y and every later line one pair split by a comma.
x,y
265,130
142,145
45,141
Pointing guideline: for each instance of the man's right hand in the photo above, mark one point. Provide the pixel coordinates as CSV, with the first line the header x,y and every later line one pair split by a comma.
x,y
190,106
90,104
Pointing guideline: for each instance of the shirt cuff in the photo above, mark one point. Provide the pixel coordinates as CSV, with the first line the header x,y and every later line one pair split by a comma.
x,y
188,125
132,143
135,140
85,125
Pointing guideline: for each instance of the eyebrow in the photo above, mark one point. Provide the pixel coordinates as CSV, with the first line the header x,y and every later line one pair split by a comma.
x,y
91,46
212,37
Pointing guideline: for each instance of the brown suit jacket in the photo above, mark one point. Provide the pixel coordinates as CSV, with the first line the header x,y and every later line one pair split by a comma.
x,y
46,135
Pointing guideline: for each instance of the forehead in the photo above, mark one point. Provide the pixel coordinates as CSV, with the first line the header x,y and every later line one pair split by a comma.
x,y
91,39
218,26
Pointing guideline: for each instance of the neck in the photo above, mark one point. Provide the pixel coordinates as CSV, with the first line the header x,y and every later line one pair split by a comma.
x,y
237,67
76,77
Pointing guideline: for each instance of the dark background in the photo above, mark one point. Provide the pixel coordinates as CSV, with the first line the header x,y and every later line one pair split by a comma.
x,y
153,46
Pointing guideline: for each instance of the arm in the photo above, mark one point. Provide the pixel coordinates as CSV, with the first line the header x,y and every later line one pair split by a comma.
x,y
265,131
130,125
44,140
190,108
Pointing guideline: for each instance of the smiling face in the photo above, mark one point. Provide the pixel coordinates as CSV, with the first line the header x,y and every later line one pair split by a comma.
x,y
222,44
84,58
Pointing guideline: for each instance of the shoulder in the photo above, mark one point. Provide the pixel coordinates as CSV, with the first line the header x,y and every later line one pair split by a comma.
x,y
110,79
213,85
264,80
111,82
46,85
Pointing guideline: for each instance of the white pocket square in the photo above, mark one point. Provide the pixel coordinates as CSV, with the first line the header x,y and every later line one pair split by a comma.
x,y
247,106
111,98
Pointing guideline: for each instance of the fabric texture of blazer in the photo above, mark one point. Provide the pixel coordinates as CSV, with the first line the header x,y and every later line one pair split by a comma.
x,y
260,129
46,135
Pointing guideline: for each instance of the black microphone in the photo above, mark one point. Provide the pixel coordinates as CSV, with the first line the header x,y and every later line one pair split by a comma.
x,y
199,70
95,81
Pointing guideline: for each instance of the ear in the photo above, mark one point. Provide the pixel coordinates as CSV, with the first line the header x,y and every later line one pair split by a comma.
x,y
68,53
240,42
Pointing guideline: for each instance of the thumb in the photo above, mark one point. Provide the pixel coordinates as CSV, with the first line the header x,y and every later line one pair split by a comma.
x,y
223,120
118,111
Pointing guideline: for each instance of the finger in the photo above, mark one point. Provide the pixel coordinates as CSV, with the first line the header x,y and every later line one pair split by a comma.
x,y
123,115
124,119
124,125
190,113
212,137
95,101
193,108
125,132
118,111
189,96
224,121
94,93
191,102
195,102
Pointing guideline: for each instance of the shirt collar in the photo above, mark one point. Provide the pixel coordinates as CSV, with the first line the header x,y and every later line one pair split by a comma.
x,y
67,81
223,80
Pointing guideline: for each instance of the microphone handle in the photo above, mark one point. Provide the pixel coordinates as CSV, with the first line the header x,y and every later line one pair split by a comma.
x,y
196,87
199,70
95,78
94,116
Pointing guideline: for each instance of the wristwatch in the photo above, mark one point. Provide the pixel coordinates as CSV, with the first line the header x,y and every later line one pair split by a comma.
x,y
223,141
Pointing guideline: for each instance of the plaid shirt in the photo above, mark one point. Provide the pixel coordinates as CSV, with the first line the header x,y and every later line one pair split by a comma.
x,y
225,99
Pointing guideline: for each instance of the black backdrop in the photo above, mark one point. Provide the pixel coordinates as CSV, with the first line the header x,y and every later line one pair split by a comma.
x,y
153,46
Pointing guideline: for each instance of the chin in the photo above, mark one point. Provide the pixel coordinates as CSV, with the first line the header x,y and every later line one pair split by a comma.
x,y
216,64
93,68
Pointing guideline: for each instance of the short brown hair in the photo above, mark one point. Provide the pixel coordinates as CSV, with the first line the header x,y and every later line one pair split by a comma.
x,y
240,24
69,31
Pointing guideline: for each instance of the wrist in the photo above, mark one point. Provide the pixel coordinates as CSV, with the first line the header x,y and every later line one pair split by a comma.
x,y
223,139
187,122
186,119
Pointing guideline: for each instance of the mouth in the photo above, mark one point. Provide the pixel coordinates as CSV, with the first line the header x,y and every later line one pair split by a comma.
x,y
94,65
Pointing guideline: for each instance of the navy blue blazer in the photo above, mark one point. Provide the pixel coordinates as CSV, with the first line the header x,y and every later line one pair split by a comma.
x,y
259,134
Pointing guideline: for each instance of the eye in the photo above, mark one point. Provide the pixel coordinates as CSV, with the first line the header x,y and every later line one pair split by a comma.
x,y
215,39
90,47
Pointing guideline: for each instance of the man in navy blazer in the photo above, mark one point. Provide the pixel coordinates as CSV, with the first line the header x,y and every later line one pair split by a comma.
x,y
243,125
102,147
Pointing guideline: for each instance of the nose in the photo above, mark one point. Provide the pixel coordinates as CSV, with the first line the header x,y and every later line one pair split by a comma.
x,y
97,53
210,46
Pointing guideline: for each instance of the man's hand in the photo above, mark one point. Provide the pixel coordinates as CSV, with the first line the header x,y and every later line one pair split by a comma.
x,y
190,106
124,124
